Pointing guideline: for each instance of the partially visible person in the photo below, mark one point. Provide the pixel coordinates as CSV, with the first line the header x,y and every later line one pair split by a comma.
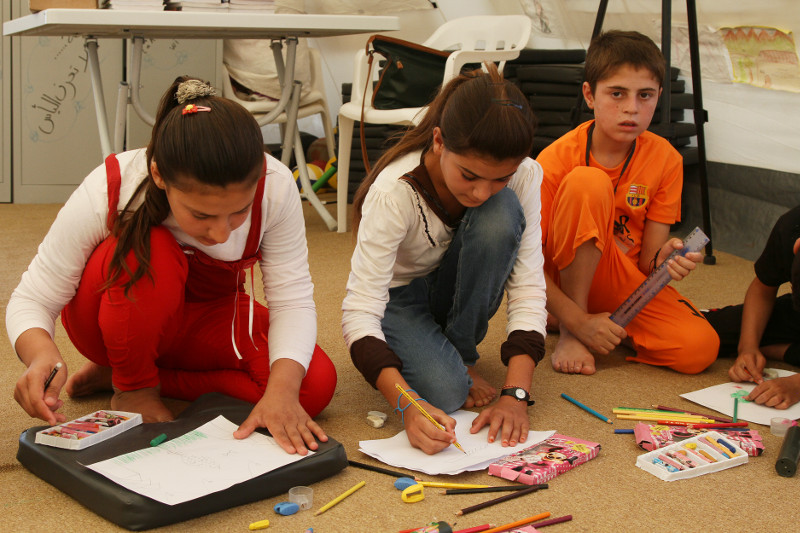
x,y
147,263
767,326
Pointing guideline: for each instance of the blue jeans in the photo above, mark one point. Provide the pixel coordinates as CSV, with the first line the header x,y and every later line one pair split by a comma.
x,y
435,323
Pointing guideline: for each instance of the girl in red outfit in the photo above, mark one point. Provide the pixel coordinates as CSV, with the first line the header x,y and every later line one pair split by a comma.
x,y
147,263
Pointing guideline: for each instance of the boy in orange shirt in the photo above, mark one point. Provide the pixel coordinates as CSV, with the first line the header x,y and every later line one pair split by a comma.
x,y
611,190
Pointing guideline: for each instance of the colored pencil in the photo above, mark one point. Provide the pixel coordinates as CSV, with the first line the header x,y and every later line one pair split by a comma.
x,y
476,529
676,410
501,488
736,409
565,518
720,425
501,499
339,498
425,413
441,485
518,523
587,409
376,469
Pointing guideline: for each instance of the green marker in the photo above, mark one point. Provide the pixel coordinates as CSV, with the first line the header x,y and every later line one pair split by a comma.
x,y
158,440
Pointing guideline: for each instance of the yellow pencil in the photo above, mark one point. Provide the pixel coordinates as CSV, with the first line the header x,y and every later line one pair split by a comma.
x,y
340,498
441,485
425,413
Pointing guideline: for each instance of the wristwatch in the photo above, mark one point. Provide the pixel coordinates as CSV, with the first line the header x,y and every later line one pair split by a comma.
x,y
518,393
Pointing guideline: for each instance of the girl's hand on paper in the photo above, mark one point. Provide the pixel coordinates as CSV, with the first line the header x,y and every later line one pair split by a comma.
x,y
780,393
279,411
424,435
507,419
749,366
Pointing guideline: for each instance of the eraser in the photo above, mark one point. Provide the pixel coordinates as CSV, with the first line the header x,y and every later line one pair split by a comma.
x,y
403,483
286,508
378,414
375,421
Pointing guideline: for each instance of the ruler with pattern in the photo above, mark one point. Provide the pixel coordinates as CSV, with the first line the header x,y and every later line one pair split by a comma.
x,y
656,281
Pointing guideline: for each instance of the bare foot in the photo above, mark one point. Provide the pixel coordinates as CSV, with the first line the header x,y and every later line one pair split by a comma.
x,y
145,401
481,393
89,379
571,356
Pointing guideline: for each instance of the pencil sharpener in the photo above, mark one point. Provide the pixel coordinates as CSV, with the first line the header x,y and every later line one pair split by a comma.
x,y
302,496
413,494
286,508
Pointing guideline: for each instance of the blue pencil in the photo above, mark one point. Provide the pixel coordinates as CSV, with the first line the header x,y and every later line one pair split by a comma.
x,y
587,409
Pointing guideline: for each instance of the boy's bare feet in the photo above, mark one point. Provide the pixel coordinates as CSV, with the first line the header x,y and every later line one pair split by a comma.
x,y
571,356
481,393
90,378
145,401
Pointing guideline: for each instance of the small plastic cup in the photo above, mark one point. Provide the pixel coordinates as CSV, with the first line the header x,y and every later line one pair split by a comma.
x,y
302,496
779,426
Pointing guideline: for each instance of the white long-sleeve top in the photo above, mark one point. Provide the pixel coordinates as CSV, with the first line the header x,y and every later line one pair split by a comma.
x,y
401,239
52,277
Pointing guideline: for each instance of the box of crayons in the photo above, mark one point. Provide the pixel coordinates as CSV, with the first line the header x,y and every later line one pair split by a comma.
x,y
701,454
654,436
90,429
545,460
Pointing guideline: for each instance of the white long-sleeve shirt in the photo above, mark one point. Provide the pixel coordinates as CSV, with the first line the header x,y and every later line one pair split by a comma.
x,y
401,239
52,277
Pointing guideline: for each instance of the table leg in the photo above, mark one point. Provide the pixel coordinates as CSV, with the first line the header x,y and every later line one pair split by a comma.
x,y
99,98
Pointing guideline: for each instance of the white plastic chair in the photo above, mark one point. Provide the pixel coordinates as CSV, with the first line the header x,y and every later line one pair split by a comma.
x,y
473,39
313,103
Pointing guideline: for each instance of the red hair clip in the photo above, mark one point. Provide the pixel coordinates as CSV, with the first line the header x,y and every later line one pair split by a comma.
x,y
192,108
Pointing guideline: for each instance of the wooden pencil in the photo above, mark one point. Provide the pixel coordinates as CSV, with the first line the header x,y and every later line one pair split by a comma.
x,y
500,488
501,499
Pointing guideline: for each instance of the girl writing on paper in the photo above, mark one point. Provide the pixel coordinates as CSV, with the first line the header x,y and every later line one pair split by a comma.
x,y
148,261
446,222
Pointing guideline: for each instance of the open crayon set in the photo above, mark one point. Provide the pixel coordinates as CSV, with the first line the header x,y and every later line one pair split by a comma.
x,y
703,454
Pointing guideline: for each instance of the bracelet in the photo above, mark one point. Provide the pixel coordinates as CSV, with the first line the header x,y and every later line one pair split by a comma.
x,y
402,410
653,261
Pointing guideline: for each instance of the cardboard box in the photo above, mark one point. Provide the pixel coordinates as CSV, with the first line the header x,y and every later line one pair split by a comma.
x,y
39,5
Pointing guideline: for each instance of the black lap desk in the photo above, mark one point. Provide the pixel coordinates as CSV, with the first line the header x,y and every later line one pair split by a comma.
x,y
64,469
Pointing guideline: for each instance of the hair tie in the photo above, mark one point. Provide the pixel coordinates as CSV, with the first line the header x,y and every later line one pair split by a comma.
x,y
507,102
192,89
192,108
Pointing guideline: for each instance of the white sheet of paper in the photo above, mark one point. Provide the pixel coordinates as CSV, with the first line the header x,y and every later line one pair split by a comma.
x,y
397,451
203,461
719,398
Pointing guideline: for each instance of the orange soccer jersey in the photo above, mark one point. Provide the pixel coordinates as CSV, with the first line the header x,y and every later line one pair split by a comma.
x,y
583,202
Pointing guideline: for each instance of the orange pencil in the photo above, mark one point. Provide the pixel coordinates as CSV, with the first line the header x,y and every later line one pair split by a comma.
x,y
518,523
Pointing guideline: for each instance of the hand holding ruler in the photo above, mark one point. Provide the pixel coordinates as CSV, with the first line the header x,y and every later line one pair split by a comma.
x,y
657,280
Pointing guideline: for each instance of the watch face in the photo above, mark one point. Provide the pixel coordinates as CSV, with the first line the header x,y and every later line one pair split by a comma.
x,y
519,393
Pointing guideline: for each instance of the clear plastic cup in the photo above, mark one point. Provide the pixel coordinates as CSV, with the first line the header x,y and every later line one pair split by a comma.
x,y
302,496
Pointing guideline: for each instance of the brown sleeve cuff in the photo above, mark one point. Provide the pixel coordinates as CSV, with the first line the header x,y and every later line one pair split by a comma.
x,y
520,342
370,355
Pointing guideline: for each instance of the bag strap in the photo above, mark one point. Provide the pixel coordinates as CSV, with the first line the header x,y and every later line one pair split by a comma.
x,y
370,54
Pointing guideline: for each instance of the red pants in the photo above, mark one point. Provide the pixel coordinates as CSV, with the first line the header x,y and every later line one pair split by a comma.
x,y
154,336
669,331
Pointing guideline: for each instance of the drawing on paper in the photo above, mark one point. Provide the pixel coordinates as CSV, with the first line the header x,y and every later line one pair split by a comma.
x,y
764,57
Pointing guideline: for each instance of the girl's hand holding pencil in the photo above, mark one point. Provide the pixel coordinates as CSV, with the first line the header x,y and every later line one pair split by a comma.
x,y
38,388
428,428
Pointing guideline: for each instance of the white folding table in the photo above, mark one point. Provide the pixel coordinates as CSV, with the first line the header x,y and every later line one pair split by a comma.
x,y
92,24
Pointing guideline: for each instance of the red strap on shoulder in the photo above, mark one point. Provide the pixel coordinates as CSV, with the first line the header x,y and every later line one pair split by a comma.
x,y
114,183
254,236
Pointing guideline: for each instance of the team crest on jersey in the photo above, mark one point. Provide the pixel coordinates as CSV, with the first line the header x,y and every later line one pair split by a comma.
x,y
637,195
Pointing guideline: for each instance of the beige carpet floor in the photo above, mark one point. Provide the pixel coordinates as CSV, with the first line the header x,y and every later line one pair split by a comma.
x,y
607,494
